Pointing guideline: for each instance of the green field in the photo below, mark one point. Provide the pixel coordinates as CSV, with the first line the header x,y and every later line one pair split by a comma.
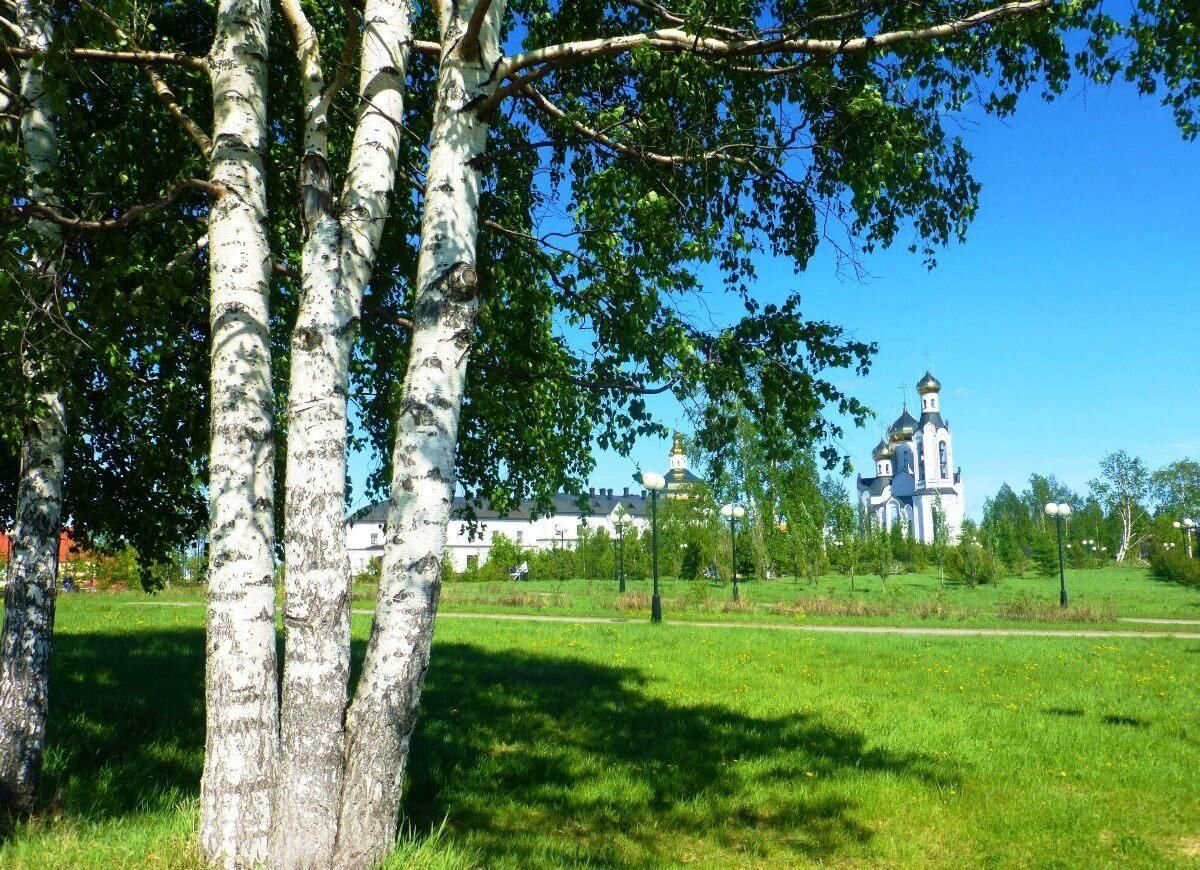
x,y
1100,596
556,745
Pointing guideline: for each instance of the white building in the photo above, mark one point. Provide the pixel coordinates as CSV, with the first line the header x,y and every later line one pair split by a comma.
x,y
364,533
914,471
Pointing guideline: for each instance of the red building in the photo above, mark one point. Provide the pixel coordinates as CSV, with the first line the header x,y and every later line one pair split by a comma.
x,y
67,550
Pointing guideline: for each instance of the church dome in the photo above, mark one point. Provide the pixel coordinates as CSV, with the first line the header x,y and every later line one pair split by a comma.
x,y
928,384
882,450
903,428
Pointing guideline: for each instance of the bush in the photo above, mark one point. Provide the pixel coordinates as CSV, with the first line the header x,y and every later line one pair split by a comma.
x,y
1175,567
971,564
371,572
504,555
1029,609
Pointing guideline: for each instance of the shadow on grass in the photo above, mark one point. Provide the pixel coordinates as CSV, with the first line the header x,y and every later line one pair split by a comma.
x,y
534,760
126,728
547,761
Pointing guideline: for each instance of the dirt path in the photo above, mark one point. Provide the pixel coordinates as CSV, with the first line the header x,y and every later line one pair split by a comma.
x,y
838,629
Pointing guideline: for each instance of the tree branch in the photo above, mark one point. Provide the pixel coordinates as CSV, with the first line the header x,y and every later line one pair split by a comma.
x,y
680,40
346,61
130,216
468,45
627,387
312,76
161,89
660,11
141,58
667,160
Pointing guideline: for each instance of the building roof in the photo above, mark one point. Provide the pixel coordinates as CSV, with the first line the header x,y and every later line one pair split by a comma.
x,y
936,490
679,477
904,426
936,419
882,450
600,503
928,384
875,485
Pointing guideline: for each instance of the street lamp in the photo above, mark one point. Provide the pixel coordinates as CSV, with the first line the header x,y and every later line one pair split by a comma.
x,y
1188,525
1060,512
734,512
618,517
656,483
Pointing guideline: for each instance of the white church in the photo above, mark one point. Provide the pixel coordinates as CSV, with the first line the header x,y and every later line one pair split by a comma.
x,y
914,471
604,509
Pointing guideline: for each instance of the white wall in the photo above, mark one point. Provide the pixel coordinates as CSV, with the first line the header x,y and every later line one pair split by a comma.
x,y
539,534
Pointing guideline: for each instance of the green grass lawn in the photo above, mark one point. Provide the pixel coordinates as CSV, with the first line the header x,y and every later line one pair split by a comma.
x,y
1099,599
556,745
1098,596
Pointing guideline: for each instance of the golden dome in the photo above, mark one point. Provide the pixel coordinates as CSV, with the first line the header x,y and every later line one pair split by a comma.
x,y
928,384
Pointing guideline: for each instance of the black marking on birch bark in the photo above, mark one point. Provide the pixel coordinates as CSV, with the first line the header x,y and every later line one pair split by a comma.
x,y
315,187
308,338
426,564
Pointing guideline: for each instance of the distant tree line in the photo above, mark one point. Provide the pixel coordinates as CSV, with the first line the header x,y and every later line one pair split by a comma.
x,y
803,524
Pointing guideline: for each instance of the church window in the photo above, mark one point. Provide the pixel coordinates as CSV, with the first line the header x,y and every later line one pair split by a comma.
x,y
920,464
943,460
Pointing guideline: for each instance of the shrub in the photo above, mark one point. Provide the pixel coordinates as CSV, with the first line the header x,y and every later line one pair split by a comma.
x,y
371,572
971,564
504,555
830,607
1027,608
1175,567
633,601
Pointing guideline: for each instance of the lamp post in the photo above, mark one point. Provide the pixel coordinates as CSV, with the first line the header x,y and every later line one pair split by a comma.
x,y
618,520
656,483
734,512
1188,526
1060,512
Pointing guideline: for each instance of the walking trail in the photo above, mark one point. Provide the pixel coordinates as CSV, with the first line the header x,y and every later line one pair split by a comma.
x,y
819,629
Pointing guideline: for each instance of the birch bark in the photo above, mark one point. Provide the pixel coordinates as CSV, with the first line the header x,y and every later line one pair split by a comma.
x,y
381,719
337,260
25,643
241,695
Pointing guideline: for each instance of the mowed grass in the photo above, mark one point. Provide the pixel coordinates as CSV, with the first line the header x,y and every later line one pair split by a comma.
x,y
1097,596
592,745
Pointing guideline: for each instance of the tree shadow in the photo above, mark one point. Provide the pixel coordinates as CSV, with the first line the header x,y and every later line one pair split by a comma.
x,y
126,727
547,761
534,760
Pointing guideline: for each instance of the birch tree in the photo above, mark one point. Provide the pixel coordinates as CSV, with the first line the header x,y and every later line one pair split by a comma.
x,y
241,704
29,596
1123,487
114,364
341,240
675,139
686,69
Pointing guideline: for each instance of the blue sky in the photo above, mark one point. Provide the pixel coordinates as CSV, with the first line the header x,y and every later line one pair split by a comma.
x,y
1065,327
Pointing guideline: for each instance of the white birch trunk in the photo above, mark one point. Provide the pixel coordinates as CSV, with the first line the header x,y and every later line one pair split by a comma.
x,y
381,720
337,261
29,597
29,605
241,693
